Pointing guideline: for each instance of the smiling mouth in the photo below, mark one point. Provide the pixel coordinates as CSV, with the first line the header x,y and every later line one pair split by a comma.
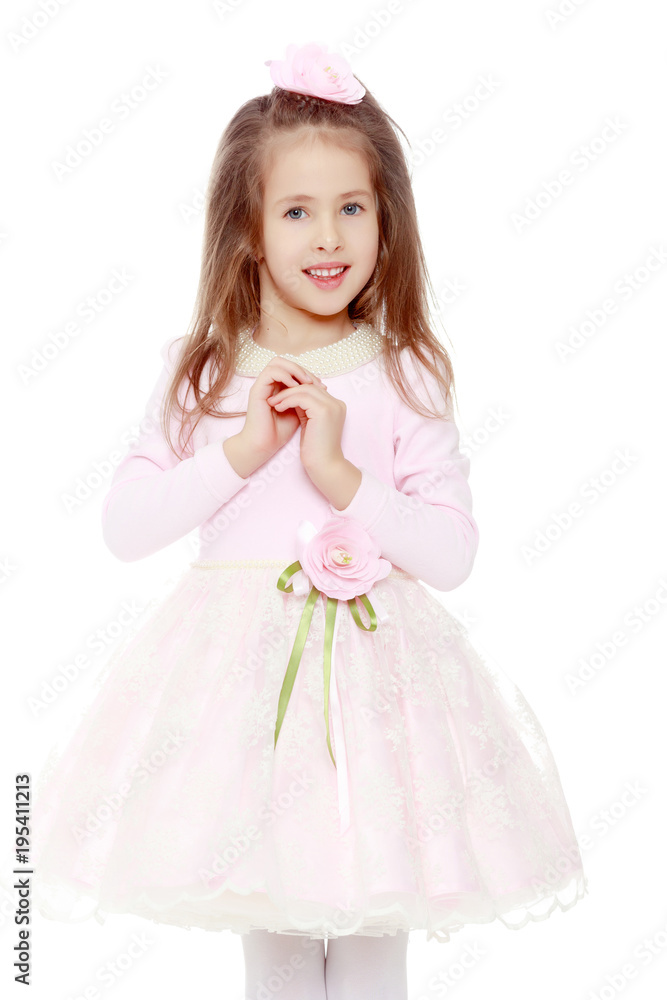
x,y
326,273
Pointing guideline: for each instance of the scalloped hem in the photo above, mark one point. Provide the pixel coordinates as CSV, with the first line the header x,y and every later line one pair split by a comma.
x,y
240,911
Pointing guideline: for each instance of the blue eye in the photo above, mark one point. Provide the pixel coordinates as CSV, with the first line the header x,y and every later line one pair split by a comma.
x,y
352,204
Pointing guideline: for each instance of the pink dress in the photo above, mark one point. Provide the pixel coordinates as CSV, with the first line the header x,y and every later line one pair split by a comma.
x,y
172,799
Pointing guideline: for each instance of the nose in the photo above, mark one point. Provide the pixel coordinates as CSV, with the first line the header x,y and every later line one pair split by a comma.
x,y
331,245
329,237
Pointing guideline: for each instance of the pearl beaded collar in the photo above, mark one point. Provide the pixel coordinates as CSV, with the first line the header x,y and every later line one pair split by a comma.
x,y
345,355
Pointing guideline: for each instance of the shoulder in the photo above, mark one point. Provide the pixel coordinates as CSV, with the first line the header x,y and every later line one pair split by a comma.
x,y
170,351
426,387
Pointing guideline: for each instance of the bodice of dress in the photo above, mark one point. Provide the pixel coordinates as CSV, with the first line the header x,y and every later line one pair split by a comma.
x,y
414,497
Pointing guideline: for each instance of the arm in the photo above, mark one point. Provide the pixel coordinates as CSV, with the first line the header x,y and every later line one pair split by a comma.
x,y
424,525
156,498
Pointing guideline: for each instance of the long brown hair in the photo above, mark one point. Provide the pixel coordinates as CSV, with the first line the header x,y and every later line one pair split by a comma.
x,y
393,300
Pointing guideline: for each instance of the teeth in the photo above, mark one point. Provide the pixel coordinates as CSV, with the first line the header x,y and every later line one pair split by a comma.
x,y
325,272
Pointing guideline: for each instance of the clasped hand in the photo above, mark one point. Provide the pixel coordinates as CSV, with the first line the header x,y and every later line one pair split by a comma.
x,y
285,396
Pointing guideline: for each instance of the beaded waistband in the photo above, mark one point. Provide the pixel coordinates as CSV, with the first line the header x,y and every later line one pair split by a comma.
x,y
279,563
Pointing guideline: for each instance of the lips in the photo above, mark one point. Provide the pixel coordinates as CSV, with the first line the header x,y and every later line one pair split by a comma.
x,y
328,283
338,268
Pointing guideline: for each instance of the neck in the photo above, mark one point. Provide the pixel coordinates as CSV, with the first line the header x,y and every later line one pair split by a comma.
x,y
273,337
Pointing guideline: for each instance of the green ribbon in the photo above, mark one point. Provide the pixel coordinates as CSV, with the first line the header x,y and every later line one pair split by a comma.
x,y
300,640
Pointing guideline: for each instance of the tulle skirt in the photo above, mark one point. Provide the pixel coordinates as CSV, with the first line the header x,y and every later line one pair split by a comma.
x,y
174,801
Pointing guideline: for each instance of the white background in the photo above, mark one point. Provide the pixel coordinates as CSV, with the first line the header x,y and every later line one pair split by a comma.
x,y
133,206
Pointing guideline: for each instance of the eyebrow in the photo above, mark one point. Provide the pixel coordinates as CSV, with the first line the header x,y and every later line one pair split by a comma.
x,y
307,197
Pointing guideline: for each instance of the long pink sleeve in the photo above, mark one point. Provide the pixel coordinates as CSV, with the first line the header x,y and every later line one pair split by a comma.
x,y
156,498
425,524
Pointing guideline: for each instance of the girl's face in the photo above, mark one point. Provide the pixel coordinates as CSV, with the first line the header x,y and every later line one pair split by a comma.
x,y
319,208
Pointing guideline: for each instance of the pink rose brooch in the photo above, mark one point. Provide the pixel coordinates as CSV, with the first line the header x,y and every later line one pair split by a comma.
x,y
342,562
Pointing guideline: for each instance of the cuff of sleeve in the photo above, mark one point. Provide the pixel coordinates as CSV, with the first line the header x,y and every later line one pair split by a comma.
x,y
216,472
368,502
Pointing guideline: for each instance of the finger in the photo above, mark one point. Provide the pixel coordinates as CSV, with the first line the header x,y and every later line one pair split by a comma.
x,y
294,370
289,392
291,398
306,400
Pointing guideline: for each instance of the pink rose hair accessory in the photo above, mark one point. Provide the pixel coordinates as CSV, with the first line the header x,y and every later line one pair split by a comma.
x,y
310,69
342,562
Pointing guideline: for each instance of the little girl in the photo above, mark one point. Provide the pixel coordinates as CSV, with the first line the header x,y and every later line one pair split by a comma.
x,y
300,744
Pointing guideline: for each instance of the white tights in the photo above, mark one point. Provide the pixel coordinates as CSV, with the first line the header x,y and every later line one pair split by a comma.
x,y
355,967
